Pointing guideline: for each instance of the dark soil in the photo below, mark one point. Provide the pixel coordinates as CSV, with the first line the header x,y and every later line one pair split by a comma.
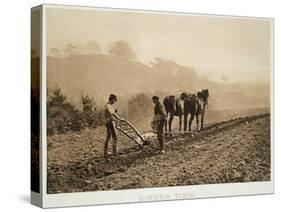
x,y
237,150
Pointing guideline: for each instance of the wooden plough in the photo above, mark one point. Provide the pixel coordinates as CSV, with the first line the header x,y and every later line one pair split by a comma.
x,y
130,131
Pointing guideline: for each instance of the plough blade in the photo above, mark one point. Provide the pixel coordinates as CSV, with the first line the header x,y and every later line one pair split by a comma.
x,y
131,132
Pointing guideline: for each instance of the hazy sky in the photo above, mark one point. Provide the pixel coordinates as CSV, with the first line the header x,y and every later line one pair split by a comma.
x,y
238,48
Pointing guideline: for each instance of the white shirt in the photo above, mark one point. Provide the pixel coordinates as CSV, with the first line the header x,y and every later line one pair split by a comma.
x,y
109,112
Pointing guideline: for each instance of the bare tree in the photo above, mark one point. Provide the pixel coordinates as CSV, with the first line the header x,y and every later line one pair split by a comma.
x,y
122,50
71,49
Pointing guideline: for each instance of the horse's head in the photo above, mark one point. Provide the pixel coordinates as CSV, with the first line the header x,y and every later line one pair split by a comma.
x,y
205,95
183,95
199,94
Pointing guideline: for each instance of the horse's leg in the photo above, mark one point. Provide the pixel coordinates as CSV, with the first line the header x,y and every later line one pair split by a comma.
x,y
185,121
166,123
170,121
180,116
190,121
202,121
197,121
202,118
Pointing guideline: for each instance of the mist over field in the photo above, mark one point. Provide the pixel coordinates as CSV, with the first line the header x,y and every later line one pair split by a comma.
x,y
100,75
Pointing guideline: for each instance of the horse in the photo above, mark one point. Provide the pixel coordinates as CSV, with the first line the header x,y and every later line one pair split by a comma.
x,y
195,105
173,107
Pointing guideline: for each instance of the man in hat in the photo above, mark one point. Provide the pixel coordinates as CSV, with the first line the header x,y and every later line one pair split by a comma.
x,y
110,114
159,119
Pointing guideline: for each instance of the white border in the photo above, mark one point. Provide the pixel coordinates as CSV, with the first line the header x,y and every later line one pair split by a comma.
x,y
158,194
149,194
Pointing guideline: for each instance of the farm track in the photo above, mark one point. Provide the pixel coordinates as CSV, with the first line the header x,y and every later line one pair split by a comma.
x,y
90,172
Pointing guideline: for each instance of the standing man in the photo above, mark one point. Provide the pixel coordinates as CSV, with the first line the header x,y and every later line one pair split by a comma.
x,y
159,119
110,115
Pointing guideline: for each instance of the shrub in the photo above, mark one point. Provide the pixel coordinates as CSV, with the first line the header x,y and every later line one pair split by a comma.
x,y
62,116
92,117
138,107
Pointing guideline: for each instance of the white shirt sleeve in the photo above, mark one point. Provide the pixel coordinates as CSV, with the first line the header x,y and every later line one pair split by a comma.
x,y
110,109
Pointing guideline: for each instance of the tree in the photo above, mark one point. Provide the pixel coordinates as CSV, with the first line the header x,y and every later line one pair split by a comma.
x,y
62,115
89,110
71,50
138,107
121,50
164,65
93,48
167,65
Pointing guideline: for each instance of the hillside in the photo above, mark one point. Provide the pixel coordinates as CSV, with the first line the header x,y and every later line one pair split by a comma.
x,y
100,75
103,74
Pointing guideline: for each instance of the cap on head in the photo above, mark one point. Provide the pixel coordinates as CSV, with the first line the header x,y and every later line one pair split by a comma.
x,y
112,97
155,98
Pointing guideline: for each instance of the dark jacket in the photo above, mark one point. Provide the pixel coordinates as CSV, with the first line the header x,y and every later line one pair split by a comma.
x,y
159,113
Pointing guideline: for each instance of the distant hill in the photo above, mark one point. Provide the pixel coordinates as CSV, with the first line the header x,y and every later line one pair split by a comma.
x,y
100,75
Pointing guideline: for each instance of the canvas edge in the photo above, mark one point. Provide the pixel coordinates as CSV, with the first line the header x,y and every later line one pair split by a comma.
x,y
163,12
86,198
37,198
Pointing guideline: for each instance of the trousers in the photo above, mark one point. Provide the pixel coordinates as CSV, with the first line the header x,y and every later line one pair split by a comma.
x,y
110,134
160,127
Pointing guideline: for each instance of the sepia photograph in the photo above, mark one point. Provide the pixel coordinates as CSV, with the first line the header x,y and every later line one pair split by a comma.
x,y
139,99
